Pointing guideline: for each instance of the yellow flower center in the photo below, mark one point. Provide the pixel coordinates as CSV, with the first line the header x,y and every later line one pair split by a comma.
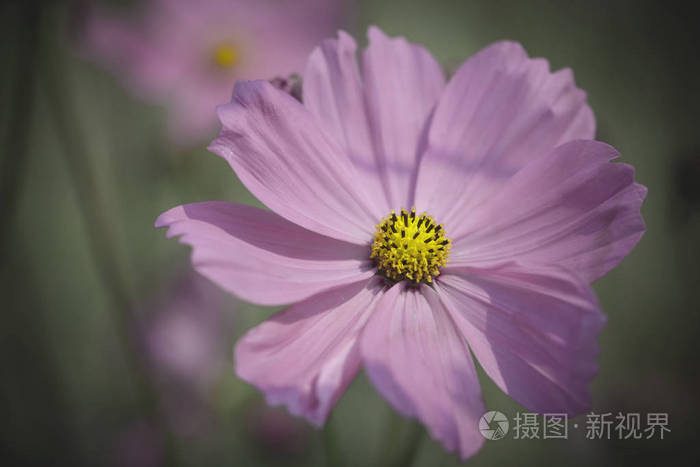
x,y
410,247
226,56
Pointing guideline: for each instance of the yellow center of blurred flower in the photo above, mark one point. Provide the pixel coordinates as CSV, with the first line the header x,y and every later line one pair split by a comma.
x,y
410,247
226,56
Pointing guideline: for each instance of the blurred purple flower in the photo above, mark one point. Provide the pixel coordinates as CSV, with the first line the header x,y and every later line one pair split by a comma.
x,y
188,341
186,55
276,432
139,446
533,211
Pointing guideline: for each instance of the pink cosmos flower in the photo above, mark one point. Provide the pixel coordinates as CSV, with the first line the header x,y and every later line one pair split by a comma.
x,y
507,185
187,55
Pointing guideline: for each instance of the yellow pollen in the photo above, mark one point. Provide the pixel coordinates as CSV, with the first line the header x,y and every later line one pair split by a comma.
x,y
410,247
226,56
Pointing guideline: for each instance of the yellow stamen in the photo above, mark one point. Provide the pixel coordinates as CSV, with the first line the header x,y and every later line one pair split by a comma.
x,y
410,247
226,56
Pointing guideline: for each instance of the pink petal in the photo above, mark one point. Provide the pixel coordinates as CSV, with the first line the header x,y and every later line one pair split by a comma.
x,y
261,257
416,358
500,111
402,85
573,208
533,331
290,163
305,356
333,92
379,117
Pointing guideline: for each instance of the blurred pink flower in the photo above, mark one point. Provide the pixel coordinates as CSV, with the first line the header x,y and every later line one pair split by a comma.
x,y
186,55
277,433
188,342
138,446
532,211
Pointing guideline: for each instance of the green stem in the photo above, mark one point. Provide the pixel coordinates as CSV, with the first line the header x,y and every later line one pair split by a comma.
x,y
330,443
16,155
97,222
25,334
411,445
390,437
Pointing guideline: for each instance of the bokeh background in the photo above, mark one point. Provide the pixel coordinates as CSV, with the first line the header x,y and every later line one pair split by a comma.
x,y
113,353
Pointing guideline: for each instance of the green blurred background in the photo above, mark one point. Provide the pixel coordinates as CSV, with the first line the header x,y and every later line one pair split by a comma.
x,y
86,170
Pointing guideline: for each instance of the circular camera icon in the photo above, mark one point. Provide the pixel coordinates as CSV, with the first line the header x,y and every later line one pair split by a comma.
x,y
493,425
